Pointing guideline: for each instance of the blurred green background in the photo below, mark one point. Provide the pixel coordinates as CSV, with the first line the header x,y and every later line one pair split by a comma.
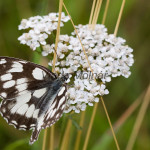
x,y
134,27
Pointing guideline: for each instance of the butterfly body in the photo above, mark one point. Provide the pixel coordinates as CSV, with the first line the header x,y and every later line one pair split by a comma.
x,y
33,96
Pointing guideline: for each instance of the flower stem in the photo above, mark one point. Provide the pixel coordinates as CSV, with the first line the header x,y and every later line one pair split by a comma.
x,y
92,11
66,137
44,140
77,143
105,12
108,118
95,107
90,127
52,130
79,40
53,67
139,120
123,118
97,10
119,17
128,112
57,34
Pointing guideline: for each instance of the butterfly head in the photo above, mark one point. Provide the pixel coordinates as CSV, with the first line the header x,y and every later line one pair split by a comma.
x,y
64,77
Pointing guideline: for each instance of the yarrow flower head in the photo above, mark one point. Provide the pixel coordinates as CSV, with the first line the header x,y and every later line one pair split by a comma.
x,y
107,55
39,27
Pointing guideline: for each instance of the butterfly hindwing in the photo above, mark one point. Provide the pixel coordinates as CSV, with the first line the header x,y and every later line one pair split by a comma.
x,y
57,107
24,109
53,113
17,118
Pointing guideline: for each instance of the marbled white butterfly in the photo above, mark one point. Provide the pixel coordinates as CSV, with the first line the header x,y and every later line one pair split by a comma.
x,y
33,96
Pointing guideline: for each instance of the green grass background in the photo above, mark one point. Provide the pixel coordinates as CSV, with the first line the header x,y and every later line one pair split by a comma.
x,y
134,27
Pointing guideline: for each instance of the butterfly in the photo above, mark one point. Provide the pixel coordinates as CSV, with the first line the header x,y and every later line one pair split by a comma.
x,y
33,97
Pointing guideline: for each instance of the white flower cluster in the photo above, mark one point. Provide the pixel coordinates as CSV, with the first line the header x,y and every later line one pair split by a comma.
x,y
82,93
108,56
39,27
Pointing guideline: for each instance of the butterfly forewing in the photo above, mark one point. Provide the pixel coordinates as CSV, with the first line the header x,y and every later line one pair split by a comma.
x,y
33,96
21,87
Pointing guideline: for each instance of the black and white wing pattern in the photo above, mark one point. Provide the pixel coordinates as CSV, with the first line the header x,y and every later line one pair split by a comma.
x,y
33,96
